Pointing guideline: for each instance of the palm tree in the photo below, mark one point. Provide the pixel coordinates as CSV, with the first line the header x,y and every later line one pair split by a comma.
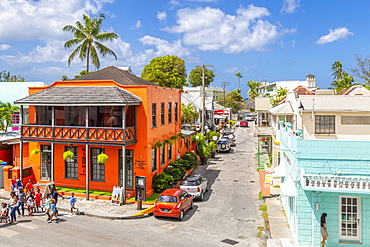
x,y
337,69
189,113
239,75
87,37
6,115
253,91
343,83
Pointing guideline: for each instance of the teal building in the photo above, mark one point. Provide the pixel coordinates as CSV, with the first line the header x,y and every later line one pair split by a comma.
x,y
325,176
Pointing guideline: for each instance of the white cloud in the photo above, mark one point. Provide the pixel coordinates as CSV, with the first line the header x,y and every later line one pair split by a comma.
x,y
289,6
137,25
334,35
210,29
162,16
209,1
174,2
4,47
43,19
231,70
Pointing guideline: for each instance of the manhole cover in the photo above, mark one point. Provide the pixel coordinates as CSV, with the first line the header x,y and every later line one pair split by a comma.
x,y
229,241
236,180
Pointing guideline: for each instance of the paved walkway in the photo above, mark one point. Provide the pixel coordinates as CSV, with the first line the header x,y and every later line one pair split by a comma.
x,y
97,208
279,227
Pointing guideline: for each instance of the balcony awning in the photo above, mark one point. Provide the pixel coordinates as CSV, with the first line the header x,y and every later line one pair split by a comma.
x,y
288,188
279,171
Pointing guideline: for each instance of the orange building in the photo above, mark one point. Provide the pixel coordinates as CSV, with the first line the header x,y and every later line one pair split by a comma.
x,y
110,111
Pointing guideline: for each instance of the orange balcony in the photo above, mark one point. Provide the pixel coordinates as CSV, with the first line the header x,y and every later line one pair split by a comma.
x,y
83,134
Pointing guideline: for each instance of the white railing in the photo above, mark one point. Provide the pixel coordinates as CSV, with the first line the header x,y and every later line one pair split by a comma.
x,y
332,182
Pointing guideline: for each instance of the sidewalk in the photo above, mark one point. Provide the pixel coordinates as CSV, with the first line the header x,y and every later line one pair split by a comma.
x,y
98,208
279,227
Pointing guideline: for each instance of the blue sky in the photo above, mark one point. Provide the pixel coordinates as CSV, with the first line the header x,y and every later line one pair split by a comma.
x,y
263,39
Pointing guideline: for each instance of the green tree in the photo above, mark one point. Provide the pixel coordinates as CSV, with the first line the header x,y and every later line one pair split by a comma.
x,y
363,68
87,38
239,75
189,113
6,115
5,76
280,94
82,73
64,78
337,69
234,100
195,77
166,71
344,82
253,91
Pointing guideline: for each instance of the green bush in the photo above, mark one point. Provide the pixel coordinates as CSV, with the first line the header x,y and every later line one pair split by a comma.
x,y
191,157
176,172
162,182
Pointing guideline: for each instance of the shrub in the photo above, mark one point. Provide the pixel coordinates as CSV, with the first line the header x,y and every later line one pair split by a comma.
x,y
162,182
176,172
191,157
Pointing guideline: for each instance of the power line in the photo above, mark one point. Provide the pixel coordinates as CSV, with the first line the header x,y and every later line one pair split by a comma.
x,y
224,85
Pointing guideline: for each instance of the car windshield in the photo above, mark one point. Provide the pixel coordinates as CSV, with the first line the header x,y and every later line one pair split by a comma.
x,y
249,115
222,142
189,183
167,199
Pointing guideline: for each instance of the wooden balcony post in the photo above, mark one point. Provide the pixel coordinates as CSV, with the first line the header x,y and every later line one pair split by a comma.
x,y
21,161
87,171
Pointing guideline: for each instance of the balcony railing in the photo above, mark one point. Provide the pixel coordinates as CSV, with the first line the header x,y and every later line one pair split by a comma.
x,y
73,133
336,183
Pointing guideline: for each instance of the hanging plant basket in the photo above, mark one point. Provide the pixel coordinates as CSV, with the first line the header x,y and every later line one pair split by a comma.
x,y
180,134
158,145
174,138
102,158
67,155
169,142
35,151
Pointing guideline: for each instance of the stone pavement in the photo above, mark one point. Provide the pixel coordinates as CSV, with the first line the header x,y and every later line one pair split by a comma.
x,y
279,227
97,208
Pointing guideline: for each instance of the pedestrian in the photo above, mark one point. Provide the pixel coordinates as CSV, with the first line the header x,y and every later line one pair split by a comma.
x,y
72,202
38,201
30,200
21,198
53,211
19,183
54,195
324,230
47,206
13,203
29,186
13,182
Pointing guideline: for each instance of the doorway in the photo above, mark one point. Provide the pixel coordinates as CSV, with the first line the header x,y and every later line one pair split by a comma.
x,y
45,162
129,168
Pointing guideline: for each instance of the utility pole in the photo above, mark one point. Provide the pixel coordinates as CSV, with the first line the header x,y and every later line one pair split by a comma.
x,y
203,98
265,82
224,84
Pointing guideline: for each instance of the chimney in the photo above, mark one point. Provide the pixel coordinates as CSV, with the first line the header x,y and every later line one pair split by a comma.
x,y
311,81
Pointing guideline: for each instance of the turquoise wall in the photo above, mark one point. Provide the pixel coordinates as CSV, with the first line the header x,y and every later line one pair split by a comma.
x,y
322,157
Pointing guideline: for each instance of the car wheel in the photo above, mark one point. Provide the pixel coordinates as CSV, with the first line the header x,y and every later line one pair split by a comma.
x,y
181,216
201,198
207,188
192,204
223,146
155,216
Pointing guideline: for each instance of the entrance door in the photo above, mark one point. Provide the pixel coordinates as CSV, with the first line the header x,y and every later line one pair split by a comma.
x,y
46,162
129,169
350,218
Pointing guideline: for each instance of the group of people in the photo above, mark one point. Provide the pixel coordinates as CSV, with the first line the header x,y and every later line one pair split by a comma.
x,y
34,202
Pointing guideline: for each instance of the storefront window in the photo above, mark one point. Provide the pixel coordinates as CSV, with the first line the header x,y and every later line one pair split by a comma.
x,y
71,165
97,169
154,159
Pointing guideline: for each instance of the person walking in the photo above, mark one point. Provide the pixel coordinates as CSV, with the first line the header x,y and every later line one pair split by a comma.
x,y
29,186
38,200
53,211
13,203
54,195
21,198
324,230
47,206
72,202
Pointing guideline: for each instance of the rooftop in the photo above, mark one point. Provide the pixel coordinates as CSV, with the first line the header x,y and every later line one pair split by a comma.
x,y
335,103
81,96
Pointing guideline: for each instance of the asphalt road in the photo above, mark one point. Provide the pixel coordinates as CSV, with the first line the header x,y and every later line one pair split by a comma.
x,y
228,216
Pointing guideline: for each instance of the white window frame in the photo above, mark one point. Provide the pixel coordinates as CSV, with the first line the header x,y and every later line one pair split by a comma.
x,y
358,221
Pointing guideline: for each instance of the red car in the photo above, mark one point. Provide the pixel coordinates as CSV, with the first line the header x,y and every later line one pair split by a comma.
x,y
244,123
173,203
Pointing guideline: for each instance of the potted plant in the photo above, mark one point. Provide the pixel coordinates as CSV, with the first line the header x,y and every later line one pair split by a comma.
x,y
204,152
168,141
213,148
102,158
35,151
67,155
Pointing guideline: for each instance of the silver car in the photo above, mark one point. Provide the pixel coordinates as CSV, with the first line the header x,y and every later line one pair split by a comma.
x,y
195,185
250,117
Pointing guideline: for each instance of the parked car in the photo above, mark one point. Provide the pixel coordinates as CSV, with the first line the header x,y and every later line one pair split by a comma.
x,y
250,117
230,136
223,145
195,185
173,203
244,123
